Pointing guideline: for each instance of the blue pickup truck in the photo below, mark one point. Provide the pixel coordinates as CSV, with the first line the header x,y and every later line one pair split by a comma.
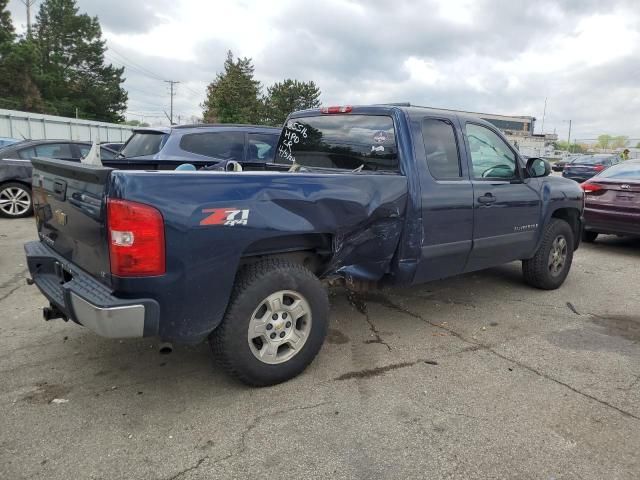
x,y
369,195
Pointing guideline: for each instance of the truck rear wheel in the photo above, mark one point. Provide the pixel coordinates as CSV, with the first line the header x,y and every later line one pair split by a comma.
x,y
550,266
275,324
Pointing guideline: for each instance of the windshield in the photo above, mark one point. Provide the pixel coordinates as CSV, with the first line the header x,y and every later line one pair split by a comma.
x,y
347,142
143,143
628,171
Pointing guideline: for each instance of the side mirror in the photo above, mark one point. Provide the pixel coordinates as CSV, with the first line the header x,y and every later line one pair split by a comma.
x,y
538,167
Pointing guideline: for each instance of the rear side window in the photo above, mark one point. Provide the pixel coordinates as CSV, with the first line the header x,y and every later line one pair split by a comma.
x,y
49,150
143,143
27,153
441,149
261,147
222,145
344,142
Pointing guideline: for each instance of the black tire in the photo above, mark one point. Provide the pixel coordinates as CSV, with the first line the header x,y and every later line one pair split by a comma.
x,y
7,191
588,236
254,283
537,271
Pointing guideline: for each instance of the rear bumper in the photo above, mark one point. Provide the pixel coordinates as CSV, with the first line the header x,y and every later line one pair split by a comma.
x,y
606,221
86,301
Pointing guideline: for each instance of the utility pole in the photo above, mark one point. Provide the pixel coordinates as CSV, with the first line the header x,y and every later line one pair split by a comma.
x,y
569,139
28,4
171,84
544,113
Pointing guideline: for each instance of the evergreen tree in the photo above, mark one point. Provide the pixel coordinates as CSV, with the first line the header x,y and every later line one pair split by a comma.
x,y
72,71
18,66
7,32
288,96
233,97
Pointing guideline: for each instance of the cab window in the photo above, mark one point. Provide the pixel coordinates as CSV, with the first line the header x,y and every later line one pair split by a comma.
x,y
491,157
441,149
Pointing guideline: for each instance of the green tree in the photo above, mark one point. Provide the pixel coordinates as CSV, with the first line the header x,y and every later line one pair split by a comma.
x,y
233,97
638,145
620,141
7,32
18,68
136,123
604,141
288,96
73,74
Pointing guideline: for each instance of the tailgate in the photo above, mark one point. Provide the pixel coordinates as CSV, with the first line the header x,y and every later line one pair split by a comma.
x,y
69,205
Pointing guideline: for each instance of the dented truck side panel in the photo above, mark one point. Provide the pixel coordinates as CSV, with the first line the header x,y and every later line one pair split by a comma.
x,y
212,220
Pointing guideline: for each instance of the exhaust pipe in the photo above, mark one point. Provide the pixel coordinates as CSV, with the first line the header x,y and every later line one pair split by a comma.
x,y
165,348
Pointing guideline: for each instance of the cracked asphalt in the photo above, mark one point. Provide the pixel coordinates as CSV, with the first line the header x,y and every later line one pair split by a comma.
x,y
478,376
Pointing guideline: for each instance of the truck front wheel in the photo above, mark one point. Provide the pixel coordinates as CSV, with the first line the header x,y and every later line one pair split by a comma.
x,y
275,324
550,265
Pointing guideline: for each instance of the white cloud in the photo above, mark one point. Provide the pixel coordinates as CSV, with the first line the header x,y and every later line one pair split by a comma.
x,y
482,55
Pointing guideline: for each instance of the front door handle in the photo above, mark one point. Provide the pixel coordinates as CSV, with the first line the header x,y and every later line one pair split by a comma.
x,y
486,198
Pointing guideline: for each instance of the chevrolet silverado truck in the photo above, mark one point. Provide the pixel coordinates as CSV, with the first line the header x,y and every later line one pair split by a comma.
x,y
368,196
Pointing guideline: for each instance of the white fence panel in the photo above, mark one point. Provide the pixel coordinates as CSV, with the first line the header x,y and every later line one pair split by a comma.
x,y
35,126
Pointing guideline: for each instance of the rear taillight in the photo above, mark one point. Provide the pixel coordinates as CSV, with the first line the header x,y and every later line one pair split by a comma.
x,y
340,109
136,239
599,168
591,187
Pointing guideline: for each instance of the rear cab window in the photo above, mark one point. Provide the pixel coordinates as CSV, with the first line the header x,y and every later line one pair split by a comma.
x,y
344,142
144,143
441,148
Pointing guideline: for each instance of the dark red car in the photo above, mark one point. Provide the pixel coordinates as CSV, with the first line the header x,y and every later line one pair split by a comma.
x,y
612,201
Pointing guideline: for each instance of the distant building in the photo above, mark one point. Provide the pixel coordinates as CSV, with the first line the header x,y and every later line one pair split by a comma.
x,y
519,131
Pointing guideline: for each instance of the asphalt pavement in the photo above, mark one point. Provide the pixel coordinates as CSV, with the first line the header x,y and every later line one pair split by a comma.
x,y
478,376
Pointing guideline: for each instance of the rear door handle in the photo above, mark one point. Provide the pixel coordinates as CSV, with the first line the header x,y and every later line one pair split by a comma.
x,y
486,198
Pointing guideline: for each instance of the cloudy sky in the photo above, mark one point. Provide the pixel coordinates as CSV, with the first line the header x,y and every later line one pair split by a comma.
x,y
496,56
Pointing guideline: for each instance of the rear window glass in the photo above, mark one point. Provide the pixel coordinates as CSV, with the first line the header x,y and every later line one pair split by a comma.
x,y
222,145
629,171
143,144
344,142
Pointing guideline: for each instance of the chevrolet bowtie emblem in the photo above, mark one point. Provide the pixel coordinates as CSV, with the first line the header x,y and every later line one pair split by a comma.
x,y
60,217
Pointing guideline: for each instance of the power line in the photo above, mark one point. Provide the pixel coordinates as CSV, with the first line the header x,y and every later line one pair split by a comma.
x,y
136,65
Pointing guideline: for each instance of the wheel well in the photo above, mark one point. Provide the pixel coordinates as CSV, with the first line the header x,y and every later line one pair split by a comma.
x,y
12,180
572,217
311,250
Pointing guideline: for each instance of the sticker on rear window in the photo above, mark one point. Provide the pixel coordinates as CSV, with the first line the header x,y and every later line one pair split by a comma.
x,y
380,136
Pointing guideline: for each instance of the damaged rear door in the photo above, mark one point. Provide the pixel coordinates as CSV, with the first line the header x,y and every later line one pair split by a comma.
x,y
354,146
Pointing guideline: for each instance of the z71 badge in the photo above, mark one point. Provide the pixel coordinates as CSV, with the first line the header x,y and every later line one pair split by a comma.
x,y
225,216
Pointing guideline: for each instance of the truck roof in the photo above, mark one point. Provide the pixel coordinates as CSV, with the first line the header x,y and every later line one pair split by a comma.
x,y
412,111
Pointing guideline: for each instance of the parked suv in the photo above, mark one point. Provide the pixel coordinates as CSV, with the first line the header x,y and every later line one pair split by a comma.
x,y
166,147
